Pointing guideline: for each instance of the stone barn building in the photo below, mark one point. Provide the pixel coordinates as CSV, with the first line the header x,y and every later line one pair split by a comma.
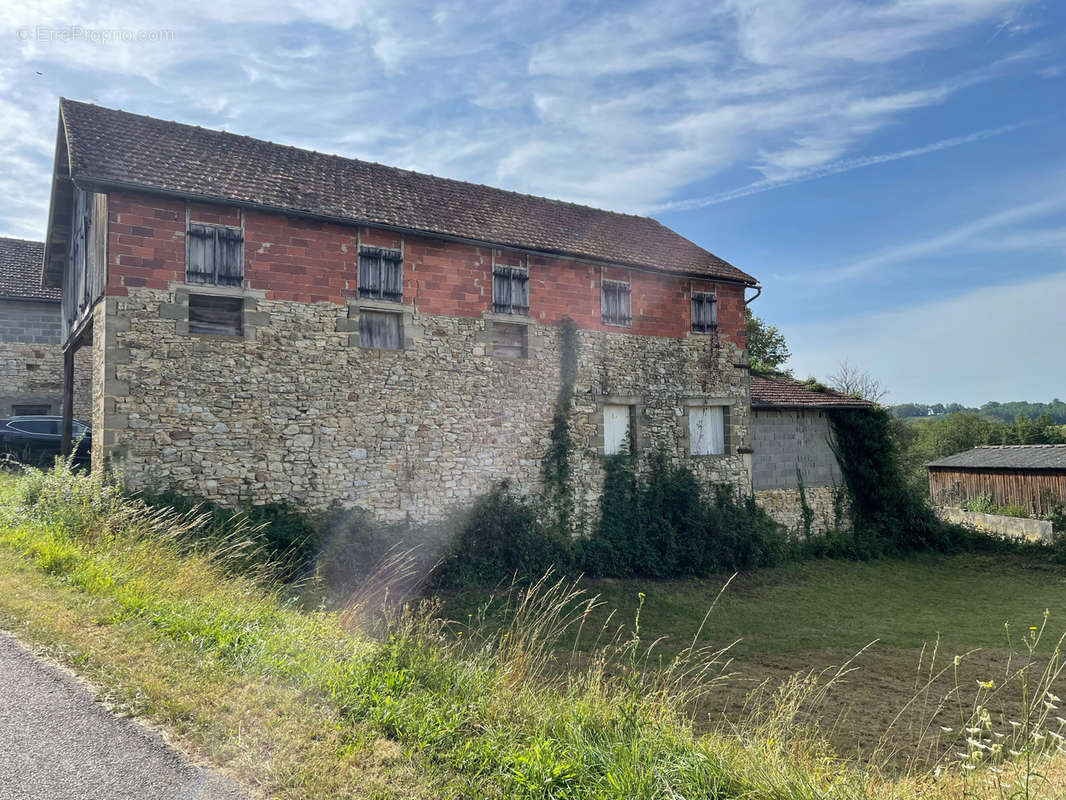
x,y
274,323
1032,476
31,356
792,441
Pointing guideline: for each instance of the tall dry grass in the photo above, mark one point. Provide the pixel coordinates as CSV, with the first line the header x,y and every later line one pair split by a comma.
x,y
513,710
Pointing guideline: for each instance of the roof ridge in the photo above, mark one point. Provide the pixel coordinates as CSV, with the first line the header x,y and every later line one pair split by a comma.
x,y
391,167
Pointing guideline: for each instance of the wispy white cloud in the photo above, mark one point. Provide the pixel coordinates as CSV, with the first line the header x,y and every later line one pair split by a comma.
x,y
994,232
800,175
620,107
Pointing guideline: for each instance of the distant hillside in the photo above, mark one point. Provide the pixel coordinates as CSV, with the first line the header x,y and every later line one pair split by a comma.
x,y
1000,412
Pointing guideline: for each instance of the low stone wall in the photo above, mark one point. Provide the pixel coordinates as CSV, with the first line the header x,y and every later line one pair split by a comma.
x,y
1010,527
786,507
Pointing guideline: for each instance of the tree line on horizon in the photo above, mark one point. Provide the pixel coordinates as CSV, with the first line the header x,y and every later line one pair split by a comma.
x,y
1009,412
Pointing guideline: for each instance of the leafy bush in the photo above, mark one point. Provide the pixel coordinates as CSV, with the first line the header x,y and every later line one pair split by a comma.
x,y
502,535
981,504
890,515
660,525
281,534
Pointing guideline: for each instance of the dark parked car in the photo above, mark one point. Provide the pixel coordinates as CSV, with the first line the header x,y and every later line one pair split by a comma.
x,y
37,440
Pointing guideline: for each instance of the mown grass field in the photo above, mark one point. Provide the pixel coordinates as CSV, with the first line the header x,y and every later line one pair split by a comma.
x,y
897,622
299,702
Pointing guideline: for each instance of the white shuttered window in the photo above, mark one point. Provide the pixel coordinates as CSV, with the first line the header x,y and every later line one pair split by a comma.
x,y
706,430
617,430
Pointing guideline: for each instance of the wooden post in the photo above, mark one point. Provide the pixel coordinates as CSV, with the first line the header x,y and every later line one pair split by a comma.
x,y
68,399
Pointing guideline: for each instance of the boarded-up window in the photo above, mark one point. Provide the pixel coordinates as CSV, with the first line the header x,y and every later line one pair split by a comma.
x,y
614,303
617,430
219,316
510,290
30,410
381,274
381,330
706,430
215,255
704,312
509,340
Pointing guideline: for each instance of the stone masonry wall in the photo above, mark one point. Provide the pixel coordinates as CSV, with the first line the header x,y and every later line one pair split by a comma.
x,y
786,506
299,413
31,360
294,409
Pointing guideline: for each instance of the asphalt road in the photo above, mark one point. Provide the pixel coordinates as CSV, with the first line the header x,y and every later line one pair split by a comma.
x,y
58,743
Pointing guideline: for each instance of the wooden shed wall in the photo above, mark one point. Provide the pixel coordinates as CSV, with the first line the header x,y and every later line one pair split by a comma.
x,y
951,486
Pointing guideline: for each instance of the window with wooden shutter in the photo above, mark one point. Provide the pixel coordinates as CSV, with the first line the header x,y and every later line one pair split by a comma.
x,y
614,302
214,255
509,340
704,312
381,274
510,290
380,330
216,315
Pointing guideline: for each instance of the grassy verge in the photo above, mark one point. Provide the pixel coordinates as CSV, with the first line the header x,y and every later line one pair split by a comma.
x,y
315,703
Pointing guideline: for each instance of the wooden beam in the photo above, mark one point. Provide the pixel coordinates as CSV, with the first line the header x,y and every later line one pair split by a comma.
x,y
68,399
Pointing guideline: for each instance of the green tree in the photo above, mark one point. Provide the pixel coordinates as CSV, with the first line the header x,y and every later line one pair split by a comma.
x,y
767,349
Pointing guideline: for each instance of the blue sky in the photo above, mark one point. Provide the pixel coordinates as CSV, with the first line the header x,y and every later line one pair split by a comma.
x,y
893,172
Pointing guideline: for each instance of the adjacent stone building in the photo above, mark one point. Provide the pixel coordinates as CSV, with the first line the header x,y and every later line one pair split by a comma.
x,y
272,323
31,357
793,442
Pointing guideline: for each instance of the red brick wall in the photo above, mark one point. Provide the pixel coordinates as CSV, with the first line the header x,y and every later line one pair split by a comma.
x,y
291,258
145,242
299,259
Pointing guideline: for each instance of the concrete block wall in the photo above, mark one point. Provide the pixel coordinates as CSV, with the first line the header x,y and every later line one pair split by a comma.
x,y
786,438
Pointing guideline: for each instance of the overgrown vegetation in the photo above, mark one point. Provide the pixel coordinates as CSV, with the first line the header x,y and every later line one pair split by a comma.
x,y
889,516
659,524
279,533
479,711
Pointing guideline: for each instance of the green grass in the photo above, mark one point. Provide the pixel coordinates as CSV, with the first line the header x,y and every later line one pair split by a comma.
x,y
962,599
353,702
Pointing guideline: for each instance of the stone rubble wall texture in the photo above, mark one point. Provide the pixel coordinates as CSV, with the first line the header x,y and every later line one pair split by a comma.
x,y
297,411
786,506
31,360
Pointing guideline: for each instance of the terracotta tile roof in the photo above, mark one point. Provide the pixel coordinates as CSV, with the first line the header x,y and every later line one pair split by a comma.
x,y
790,393
118,147
1012,456
21,262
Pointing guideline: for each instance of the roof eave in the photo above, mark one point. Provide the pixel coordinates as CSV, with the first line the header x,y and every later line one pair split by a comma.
x,y
88,182
811,406
51,272
17,298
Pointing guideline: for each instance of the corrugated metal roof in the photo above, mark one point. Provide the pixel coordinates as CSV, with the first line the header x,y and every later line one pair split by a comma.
x,y
1013,456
